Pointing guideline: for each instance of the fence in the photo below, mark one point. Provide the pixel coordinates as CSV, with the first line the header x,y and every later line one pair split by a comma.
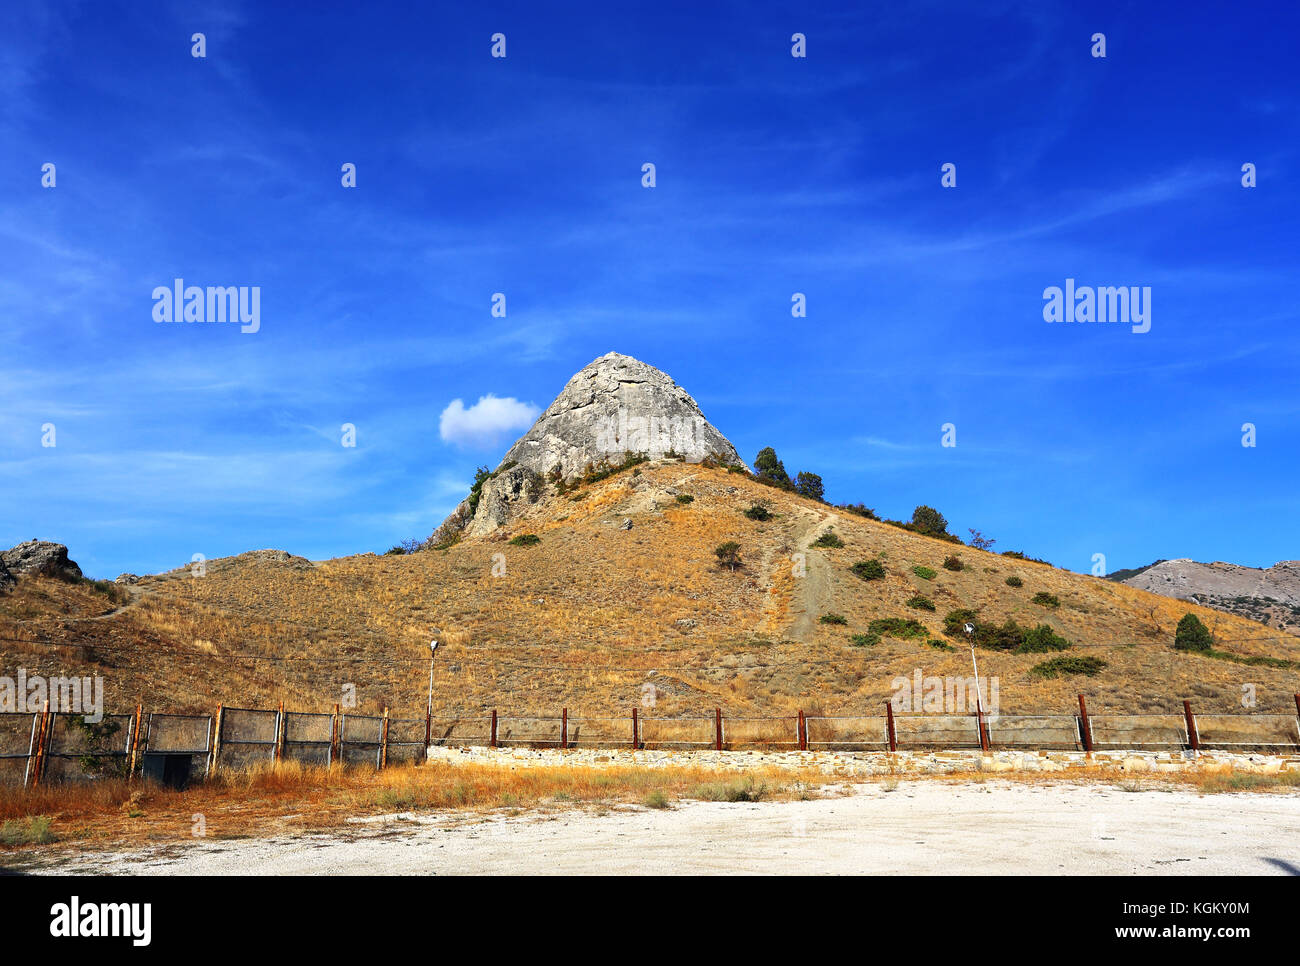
x,y
174,748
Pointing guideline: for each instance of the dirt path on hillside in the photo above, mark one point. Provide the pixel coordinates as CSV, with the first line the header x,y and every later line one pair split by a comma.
x,y
132,591
812,591
920,827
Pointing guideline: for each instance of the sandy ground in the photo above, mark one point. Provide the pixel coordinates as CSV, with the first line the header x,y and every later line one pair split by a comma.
x,y
920,827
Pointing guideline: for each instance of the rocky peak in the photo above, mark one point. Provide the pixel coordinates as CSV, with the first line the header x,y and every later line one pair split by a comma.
x,y
615,406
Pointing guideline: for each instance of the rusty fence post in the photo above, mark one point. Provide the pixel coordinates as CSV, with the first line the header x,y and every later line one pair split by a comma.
x,y
215,754
334,735
984,735
889,726
717,729
801,730
135,742
564,728
383,741
636,733
493,739
1193,737
1085,725
428,732
37,763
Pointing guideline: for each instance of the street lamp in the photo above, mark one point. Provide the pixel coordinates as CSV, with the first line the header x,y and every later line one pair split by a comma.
x,y
979,696
433,649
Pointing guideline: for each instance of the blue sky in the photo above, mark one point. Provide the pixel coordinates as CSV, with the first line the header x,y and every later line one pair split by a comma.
x,y
775,175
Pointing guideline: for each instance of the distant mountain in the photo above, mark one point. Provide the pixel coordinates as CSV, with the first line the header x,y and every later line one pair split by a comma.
x,y
1270,596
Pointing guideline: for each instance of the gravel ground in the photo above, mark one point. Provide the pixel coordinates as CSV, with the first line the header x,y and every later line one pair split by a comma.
x,y
920,827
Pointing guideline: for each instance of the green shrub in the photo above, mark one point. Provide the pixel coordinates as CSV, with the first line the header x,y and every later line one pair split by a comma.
x,y
745,789
1046,599
685,498
868,569
940,645
761,510
834,619
656,799
828,539
810,485
525,540
904,628
858,509
1014,581
1041,638
728,554
864,640
920,602
928,520
955,620
33,831
1192,635
953,562
925,573
1068,665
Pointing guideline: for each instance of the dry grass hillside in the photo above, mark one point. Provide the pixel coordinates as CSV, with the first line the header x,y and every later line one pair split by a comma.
x,y
591,613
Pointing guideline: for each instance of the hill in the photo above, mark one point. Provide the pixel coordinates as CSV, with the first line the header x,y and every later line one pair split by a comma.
x,y
620,590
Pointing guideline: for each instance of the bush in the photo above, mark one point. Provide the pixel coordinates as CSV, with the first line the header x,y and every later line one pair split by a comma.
x,y
905,628
864,640
728,554
834,619
928,520
685,498
33,831
745,789
920,602
925,573
1014,581
1046,599
770,469
1192,635
858,509
1041,638
809,485
953,563
762,510
828,539
1068,665
525,540
868,569
940,645
954,621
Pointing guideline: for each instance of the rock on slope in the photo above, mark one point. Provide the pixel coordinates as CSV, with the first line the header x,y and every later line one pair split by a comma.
x,y
615,405
37,558
1270,596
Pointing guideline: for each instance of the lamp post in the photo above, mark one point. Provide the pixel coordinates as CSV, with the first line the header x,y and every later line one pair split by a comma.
x,y
979,694
433,649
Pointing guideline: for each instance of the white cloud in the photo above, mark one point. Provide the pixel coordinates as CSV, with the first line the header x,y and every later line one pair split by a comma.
x,y
483,424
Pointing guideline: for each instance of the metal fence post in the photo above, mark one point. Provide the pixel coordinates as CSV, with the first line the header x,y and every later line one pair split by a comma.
x,y
334,736
564,728
1192,736
1085,725
383,742
801,731
493,739
278,748
216,740
135,742
636,737
889,726
717,729
984,735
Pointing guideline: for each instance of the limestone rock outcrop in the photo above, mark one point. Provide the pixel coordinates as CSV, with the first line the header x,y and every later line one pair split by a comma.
x,y
614,407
